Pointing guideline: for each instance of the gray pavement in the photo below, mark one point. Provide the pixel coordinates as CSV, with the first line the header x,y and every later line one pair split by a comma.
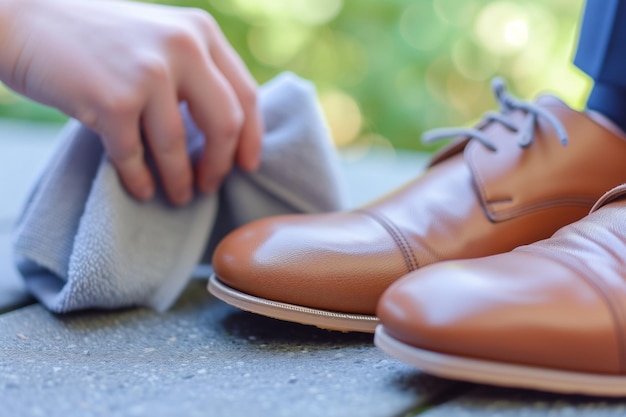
x,y
201,358
204,358
484,401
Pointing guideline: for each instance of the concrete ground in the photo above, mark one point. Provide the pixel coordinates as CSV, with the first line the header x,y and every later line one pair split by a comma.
x,y
204,358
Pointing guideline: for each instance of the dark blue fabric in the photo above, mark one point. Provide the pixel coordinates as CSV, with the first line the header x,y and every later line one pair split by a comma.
x,y
601,54
610,100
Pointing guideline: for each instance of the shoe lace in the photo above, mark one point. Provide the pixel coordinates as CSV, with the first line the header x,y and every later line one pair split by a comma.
x,y
507,104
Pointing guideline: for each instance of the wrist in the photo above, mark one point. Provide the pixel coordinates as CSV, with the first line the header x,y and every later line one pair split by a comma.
x,y
8,10
11,13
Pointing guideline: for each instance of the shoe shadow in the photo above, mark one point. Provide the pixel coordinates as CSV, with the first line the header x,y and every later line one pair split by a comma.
x,y
266,331
477,400
193,301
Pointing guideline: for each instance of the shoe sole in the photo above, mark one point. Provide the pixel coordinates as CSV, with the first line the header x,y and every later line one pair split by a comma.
x,y
502,374
323,319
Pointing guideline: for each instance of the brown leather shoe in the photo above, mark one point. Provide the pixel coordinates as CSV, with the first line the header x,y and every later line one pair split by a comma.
x,y
550,315
507,182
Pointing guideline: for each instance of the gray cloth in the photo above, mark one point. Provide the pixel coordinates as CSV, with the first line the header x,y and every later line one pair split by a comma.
x,y
83,242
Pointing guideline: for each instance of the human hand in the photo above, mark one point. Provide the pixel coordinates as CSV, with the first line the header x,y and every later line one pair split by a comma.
x,y
122,69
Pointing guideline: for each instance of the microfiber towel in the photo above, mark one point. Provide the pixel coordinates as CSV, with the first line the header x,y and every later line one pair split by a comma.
x,y
83,242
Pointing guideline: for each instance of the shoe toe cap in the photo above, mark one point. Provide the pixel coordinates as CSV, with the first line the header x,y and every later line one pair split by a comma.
x,y
338,261
511,308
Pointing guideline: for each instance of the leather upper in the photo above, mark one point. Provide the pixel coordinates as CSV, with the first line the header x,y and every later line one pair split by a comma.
x,y
471,202
515,181
558,303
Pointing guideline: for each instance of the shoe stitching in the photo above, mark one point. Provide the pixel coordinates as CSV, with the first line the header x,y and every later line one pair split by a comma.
x,y
397,236
604,290
400,239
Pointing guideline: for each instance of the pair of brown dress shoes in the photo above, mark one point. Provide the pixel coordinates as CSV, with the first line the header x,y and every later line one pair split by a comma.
x,y
505,263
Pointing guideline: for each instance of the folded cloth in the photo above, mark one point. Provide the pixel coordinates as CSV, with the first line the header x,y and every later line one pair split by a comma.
x,y
83,242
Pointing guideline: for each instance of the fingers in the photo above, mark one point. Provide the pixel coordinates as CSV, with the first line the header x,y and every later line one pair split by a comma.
x,y
165,134
216,110
201,68
244,86
123,145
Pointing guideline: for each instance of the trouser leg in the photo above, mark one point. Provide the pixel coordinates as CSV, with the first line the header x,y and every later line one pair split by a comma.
x,y
601,54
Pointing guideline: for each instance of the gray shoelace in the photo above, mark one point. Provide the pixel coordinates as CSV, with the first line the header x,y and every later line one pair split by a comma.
x,y
507,104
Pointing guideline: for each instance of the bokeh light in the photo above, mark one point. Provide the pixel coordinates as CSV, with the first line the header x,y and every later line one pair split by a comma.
x,y
516,32
310,12
343,116
421,28
455,12
388,70
270,46
473,62
499,23
5,96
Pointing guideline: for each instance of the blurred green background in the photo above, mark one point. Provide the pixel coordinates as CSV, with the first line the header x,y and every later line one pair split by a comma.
x,y
386,70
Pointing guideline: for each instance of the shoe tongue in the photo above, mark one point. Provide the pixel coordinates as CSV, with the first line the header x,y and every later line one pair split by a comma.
x,y
459,144
549,100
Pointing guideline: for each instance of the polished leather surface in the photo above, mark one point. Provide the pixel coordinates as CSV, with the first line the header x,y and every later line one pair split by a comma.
x,y
471,202
559,303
